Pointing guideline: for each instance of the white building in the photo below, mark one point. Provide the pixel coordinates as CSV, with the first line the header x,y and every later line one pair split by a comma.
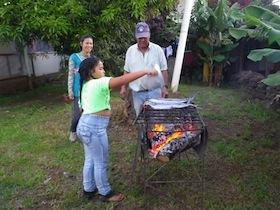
x,y
44,62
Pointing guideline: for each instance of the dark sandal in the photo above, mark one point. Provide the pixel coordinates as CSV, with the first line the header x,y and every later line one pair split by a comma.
x,y
89,195
112,197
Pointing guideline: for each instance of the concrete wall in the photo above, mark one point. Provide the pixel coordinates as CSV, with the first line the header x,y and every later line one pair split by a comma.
x,y
45,63
21,83
13,72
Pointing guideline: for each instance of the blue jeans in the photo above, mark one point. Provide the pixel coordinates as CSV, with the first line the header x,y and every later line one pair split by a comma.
x,y
76,116
92,131
139,97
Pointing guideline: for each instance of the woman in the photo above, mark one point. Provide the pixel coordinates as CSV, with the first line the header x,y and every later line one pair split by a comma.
x,y
86,45
92,126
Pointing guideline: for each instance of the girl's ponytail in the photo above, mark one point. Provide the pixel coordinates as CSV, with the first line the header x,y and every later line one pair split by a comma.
x,y
85,71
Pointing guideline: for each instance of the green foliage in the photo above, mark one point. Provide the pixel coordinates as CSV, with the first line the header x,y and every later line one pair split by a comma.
x,y
272,79
257,21
271,55
62,23
165,28
260,22
215,54
212,24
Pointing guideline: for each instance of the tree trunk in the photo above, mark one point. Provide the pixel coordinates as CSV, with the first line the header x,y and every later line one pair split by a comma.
x,y
29,75
205,77
211,75
218,73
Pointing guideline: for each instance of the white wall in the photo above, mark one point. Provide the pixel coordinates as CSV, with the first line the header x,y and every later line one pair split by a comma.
x,y
12,63
46,63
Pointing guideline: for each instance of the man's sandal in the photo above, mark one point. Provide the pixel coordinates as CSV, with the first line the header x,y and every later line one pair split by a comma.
x,y
112,197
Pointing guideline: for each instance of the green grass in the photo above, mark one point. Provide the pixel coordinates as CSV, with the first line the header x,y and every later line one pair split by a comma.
x,y
231,152
41,169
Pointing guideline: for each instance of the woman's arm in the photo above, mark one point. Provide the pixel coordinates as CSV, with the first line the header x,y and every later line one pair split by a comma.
x,y
71,66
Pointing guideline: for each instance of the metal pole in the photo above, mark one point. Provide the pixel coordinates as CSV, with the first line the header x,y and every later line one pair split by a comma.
x,y
182,44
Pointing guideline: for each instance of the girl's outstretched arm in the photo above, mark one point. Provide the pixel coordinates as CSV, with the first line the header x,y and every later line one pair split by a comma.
x,y
127,78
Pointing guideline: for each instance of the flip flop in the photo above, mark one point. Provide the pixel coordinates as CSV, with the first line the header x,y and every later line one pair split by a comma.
x,y
89,195
112,197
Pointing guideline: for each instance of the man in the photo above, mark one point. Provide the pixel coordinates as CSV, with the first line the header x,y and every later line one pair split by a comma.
x,y
144,55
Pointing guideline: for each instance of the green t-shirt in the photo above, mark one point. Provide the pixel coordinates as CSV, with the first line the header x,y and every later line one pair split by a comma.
x,y
96,95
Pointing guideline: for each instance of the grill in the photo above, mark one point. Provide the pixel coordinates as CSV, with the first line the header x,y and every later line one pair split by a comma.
x,y
168,127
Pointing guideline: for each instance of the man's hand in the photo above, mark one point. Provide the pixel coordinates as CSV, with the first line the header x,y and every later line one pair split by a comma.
x,y
123,92
164,92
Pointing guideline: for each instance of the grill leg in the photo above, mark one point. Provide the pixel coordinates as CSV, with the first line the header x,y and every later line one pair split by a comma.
x,y
139,151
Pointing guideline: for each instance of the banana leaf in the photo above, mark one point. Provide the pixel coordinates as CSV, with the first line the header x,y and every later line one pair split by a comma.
x,y
264,15
273,55
239,33
261,18
272,79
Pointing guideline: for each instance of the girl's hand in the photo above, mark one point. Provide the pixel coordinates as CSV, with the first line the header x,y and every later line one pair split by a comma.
x,y
153,72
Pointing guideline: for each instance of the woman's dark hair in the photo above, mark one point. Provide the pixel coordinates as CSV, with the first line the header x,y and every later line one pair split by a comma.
x,y
85,36
85,69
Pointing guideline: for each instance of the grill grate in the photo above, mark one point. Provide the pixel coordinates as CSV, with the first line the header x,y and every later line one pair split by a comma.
x,y
185,115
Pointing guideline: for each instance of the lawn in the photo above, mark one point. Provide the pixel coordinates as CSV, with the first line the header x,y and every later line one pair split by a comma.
x,y
42,169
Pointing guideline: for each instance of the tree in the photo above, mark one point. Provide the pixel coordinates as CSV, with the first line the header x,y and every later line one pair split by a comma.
x,y
62,22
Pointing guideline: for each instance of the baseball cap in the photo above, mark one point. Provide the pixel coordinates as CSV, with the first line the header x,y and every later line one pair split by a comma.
x,y
142,30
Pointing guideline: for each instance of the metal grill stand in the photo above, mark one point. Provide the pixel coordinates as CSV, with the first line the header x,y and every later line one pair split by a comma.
x,y
174,116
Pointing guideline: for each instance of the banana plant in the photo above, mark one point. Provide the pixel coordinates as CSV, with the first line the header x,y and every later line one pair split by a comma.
x,y
212,25
259,22
215,55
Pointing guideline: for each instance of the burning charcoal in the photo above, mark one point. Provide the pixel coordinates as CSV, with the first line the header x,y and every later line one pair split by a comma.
x,y
170,131
177,145
163,158
192,134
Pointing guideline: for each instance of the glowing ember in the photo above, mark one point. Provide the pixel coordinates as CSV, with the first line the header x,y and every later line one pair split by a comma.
x,y
162,135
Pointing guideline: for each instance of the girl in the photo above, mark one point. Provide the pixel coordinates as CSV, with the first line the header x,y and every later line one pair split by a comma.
x,y
91,129
86,45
